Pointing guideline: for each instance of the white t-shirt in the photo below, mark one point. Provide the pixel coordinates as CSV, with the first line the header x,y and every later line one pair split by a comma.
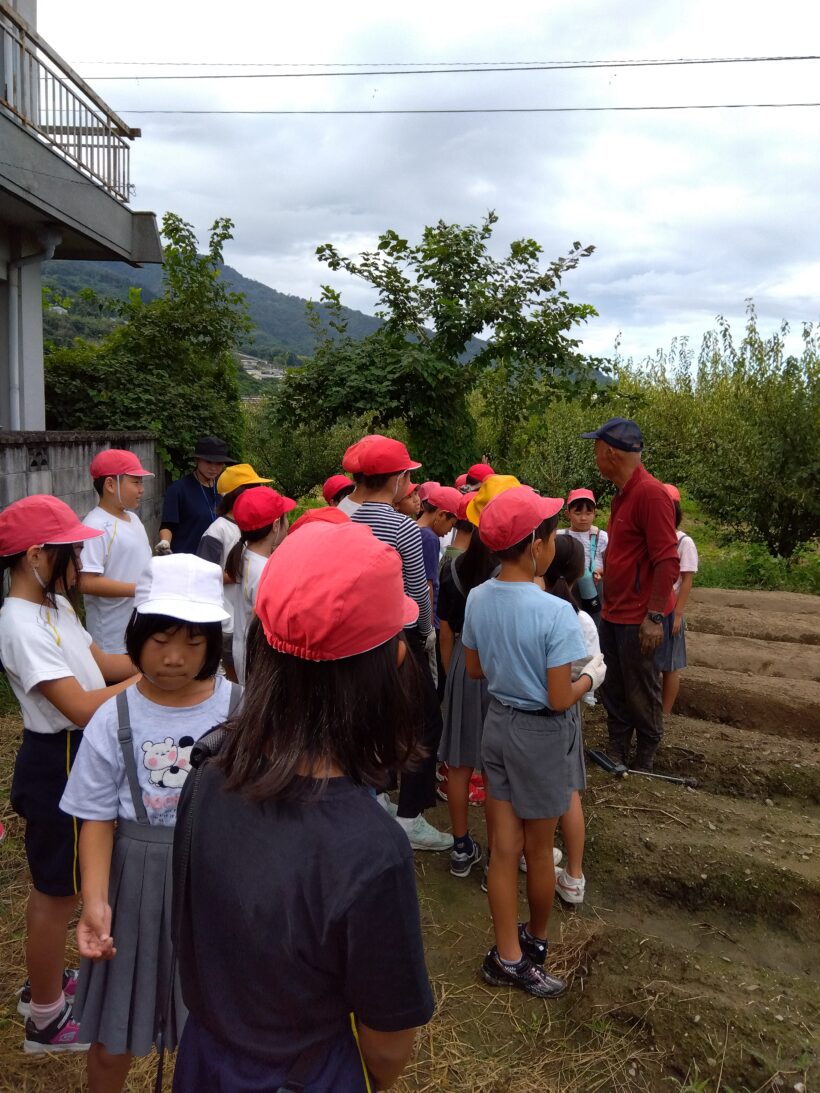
x,y
583,538
688,554
37,644
98,788
348,506
215,545
122,553
244,598
589,632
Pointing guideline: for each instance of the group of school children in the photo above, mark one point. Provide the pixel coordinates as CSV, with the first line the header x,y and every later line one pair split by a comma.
x,y
404,641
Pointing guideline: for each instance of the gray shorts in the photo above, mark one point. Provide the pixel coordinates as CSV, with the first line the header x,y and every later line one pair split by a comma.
x,y
533,762
671,656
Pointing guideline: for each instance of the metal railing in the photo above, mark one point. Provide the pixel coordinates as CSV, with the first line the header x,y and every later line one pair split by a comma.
x,y
53,103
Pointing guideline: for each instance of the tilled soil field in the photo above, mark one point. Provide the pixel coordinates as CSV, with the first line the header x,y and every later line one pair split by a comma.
x,y
694,964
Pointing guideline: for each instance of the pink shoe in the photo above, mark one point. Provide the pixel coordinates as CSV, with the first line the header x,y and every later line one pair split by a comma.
x,y
70,977
62,1034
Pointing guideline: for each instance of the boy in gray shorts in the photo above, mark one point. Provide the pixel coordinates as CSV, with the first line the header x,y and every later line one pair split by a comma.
x,y
524,643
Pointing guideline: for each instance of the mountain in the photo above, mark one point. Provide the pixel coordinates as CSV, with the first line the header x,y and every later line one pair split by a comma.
x,y
279,319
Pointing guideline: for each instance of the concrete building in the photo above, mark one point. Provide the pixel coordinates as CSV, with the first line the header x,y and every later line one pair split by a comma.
x,y
64,193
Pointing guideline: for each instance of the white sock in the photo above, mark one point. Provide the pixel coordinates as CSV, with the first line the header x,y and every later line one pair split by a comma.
x,y
42,1016
406,821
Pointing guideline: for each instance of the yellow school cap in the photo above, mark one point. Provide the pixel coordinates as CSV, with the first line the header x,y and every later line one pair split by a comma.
x,y
240,474
491,487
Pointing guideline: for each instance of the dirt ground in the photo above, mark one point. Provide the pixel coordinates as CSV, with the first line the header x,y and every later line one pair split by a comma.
x,y
694,964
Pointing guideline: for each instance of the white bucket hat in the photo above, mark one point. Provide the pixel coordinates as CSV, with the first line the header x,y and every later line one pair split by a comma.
x,y
183,587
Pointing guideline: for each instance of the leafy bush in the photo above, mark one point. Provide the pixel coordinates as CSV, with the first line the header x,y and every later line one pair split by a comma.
x,y
169,367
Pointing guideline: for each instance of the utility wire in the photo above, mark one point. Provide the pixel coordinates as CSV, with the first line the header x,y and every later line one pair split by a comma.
x,y
495,109
558,66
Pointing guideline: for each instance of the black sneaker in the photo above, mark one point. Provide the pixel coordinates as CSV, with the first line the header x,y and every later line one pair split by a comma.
x,y
461,864
533,947
70,976
525,975
63,1034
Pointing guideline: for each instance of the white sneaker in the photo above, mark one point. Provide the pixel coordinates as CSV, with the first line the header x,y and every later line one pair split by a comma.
x,y
570,889
424,836
556,859
387,804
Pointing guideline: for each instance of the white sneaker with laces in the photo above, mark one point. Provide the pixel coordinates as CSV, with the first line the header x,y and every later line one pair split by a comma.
x,y
556,860
387,804
570,889
424,836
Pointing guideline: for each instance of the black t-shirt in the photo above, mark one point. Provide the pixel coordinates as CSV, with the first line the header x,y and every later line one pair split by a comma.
x,y
188,511
299,913
451,603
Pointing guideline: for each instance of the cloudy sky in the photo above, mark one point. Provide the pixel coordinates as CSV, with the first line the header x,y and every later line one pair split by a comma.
x,y
691,212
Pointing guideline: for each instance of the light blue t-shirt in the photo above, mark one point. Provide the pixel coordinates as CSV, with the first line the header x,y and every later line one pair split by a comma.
x,y
519,632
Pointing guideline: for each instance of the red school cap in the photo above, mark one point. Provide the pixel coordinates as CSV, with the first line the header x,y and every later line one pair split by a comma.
x,y
116,461
580,495
260,506
461,481
513,515
383,455
425,489
350,460
334,484
315,610
673,491
40,519
466,498
325,516
480,471
447,498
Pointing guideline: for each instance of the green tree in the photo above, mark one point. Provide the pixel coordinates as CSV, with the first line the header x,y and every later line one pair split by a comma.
x,y
169,367
436,299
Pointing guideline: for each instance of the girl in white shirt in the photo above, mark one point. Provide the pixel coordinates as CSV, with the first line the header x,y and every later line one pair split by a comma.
x,y
58,676
559,580
130,771
260,515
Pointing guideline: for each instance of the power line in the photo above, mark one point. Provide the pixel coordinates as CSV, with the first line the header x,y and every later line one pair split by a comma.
x,y
536,66
496,109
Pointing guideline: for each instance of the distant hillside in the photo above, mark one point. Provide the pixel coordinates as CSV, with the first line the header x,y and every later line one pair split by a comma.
x,y
279,319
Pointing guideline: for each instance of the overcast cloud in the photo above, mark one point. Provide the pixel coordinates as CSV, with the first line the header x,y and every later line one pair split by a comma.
x,y
690,212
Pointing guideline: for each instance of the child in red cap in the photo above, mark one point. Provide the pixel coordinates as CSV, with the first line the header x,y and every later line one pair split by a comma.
x,y
384,465
113,561
299,941
261,516
524,643
58,675
439,510
581,506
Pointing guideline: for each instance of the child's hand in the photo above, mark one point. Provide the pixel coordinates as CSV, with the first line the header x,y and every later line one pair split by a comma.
x,y
676,622
94,940
596,576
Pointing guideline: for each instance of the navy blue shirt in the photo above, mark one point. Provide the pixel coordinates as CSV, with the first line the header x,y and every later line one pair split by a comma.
x,y
299,913
188,511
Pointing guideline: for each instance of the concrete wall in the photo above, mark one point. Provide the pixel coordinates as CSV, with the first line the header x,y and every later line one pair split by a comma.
x,y
28,299
58,463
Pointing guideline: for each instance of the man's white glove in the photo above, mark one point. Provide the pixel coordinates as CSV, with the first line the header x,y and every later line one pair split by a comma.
x,y
595,668
162,547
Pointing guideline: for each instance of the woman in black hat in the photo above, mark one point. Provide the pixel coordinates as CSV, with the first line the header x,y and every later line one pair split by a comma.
x,y
190,503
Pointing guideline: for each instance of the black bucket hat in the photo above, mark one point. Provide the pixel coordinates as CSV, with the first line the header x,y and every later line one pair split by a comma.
x,y
213,449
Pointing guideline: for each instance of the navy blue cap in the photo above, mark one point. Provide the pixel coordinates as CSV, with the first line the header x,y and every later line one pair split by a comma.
x,y
618,432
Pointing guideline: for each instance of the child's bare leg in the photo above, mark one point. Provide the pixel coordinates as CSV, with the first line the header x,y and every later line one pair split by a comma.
x,y
502,878
107,1072
47,919
488,820
458,791
671,686
573,832
539,836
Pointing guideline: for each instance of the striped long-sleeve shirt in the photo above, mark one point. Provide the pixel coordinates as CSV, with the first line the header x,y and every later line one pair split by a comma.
x,y
401,533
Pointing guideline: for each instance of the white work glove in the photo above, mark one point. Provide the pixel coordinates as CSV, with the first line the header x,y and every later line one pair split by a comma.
x,y
163,547
430,650
595,668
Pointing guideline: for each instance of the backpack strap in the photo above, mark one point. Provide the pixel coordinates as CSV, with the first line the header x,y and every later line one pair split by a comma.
x,y
126,739
234,700
593,550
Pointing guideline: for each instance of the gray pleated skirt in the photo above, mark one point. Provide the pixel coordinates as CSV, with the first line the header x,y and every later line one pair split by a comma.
x,y
465,706
120,1002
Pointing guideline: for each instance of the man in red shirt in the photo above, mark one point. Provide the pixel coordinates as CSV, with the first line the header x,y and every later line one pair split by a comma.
x,y
640,568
